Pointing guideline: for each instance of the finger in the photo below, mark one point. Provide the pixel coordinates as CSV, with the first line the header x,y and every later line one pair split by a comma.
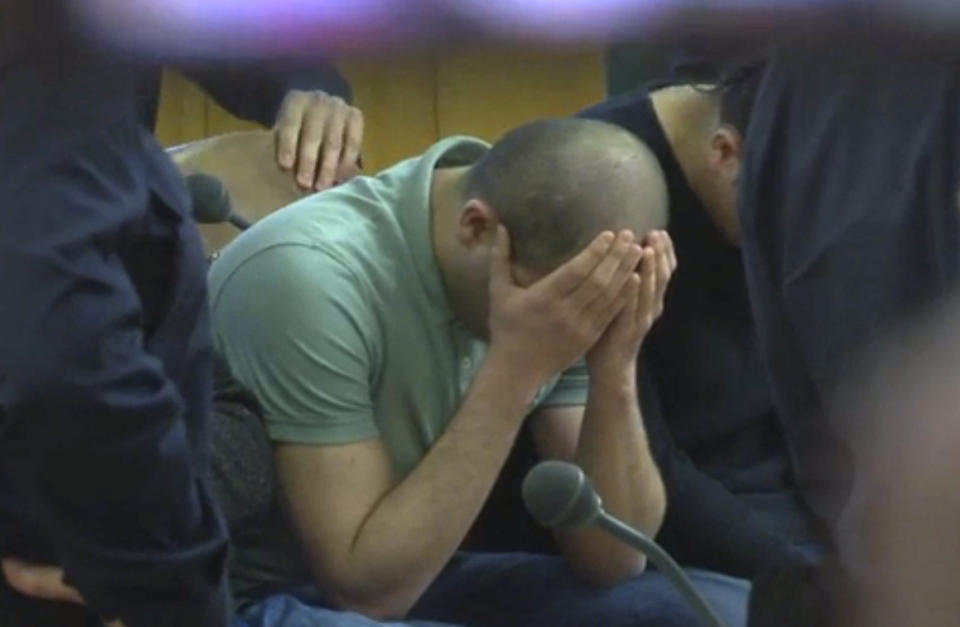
x,y
344,174
627,300
332,148
610,292
664,272
648,283
570,275
352,141
500,271
39,582
623,305
599,281
660,241
311,137
671,251
287,129
632,291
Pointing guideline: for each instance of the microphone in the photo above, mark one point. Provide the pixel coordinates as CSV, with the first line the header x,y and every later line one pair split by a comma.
x,y
559,494
211,201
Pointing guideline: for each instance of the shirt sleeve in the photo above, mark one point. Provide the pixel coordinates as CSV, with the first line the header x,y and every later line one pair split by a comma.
x,y
571,388
96,451
254,92
294,327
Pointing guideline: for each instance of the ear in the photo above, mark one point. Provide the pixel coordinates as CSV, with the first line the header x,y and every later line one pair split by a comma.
x,y
477,225
725,146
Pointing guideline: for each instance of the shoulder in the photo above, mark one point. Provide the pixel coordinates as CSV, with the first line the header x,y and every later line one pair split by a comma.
x,y
286,276
632,110
313,241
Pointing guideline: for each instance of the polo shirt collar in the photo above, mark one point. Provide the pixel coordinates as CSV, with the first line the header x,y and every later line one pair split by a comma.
x,y
414,218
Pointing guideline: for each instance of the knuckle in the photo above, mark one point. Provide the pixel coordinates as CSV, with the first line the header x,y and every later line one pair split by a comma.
x,y
309,146
595,280
579,274
296,96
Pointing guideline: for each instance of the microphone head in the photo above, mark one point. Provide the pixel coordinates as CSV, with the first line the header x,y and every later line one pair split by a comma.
x,y
559,494
211,201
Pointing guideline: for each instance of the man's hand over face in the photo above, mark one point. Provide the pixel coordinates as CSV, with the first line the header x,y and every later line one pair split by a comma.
x,y
618,346
319,138
545,328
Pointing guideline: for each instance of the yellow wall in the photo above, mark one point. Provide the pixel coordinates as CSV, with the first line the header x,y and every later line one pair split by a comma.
x,y
411,101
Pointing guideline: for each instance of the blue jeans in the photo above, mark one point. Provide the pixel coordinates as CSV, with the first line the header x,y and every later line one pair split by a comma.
x,y
524,590
298,610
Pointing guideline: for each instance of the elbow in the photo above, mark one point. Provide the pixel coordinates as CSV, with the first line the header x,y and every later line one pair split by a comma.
x,y
611,572
373,609
380,593
381,607
655,513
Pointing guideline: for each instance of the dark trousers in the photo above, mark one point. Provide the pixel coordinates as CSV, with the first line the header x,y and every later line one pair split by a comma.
x,y
524,590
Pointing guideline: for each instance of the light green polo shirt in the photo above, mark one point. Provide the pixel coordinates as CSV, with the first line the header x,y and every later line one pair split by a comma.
x,y
332,312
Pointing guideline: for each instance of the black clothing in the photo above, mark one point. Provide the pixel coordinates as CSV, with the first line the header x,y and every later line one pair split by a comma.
x,y
704,390
105,378
850,228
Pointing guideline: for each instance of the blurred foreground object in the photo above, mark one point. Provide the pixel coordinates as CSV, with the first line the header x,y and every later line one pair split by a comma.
x,y
900,534
232,28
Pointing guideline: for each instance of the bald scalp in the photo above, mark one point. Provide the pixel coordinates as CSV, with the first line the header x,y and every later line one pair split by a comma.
x,y
557,184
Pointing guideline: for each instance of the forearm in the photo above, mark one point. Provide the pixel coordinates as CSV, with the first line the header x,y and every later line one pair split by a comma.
x,y
415,529
614,452
255,91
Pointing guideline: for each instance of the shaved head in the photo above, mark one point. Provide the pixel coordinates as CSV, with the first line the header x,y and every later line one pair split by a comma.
x,y
557,184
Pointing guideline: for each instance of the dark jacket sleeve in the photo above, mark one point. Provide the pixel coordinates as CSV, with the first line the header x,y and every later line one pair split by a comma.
x,y
705,525
849,234
255,92
97,451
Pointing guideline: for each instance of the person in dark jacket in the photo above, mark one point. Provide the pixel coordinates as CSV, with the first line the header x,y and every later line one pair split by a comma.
x,y
105,371
733,503
710,414
848,205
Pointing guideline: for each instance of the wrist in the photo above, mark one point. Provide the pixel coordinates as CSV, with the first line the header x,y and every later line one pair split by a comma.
x,y
614,377
509,373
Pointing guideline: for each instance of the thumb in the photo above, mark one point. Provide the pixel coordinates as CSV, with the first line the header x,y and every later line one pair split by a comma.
x,y
500,273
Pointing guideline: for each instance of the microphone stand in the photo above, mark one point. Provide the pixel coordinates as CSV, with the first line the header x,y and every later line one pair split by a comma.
x,y
662,560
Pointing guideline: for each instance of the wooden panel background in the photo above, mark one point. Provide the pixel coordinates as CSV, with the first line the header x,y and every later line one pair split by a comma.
x,y
411,101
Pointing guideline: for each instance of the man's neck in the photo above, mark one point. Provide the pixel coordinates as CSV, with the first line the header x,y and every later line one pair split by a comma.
x,y
446,198
686,116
